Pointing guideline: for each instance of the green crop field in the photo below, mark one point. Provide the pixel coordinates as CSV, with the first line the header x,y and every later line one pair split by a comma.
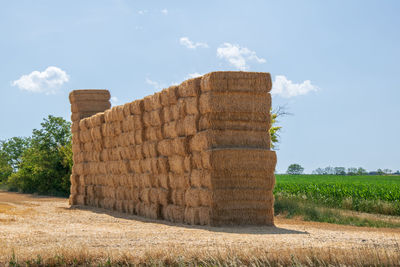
x,y
374,194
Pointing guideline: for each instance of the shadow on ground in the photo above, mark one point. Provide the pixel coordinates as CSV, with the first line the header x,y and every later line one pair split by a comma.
x,y
256,230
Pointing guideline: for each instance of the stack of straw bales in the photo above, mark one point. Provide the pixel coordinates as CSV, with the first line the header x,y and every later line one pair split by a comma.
x,y
197,153
84,103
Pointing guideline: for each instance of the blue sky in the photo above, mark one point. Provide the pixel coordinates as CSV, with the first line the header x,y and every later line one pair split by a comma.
x,y
335,64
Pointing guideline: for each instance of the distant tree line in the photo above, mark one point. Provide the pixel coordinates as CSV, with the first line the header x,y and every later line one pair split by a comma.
x,y
298,169
40,163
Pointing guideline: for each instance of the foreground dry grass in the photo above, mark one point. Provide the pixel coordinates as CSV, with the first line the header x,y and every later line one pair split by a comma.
x,y
32,226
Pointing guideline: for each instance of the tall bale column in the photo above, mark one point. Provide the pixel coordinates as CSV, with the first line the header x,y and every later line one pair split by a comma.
x,y
235,142
84,103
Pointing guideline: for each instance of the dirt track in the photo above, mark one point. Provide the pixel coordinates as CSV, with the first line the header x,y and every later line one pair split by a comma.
x,y
32,225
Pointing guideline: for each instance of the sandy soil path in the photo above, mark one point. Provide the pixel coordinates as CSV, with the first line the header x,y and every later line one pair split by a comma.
x,y
31,224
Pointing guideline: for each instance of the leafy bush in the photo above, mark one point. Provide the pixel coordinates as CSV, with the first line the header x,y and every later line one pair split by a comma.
x,y
44,164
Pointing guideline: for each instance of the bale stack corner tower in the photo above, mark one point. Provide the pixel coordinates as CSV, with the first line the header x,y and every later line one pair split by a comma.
x,y
196,153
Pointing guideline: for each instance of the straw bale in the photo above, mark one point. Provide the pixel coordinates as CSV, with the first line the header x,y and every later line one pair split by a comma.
x,y
154,166
74,188
129,152
113,154
75,116
187,164
153,134
192,215
189,87
145,165
108,116
162,180
245,178
83,124
126,125
84,136
152,102
74,179
98,145
149,149
163,196
107,142
166,114
206,159
191,105
175,113
82,179
126,110
90,191
190,125
179,146
201,141
94,95
136,107
106,130
80,200
236,159
134,166
123,166
209,121
90,106
176,164
238,138
201,178
139,152
162,165
74,127
242,194
152,118
164,147
192,197
236,81
78,168
217,102
174,213
196,160
169,96
96,120
153,195
145,195
181,108
179,181
116,126
75,138
95,133
146,119
170,130
237,116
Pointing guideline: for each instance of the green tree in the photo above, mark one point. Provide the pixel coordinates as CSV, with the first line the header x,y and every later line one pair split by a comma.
x,y
295,169
361,171
11,151
275,129
45,166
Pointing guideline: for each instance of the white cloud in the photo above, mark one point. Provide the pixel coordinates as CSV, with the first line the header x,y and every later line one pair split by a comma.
x,y
142,12
155,84
193,75
164,11
114,100
191,45
286,88
238,56
48,81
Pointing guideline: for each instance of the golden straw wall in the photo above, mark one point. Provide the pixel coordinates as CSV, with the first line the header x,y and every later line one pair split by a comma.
x,y
197,153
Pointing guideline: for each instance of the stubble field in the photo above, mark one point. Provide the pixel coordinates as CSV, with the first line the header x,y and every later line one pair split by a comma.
x,y
47,230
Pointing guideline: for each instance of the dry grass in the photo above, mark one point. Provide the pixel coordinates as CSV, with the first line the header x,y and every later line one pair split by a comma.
x,y
65,236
